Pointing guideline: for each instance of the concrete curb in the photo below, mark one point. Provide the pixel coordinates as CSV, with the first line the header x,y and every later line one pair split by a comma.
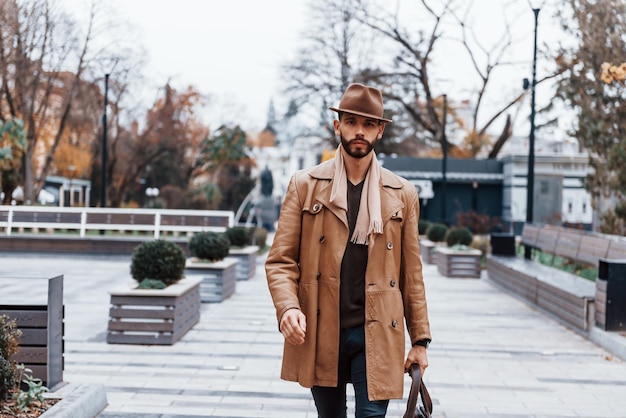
x,y
77,401
611,341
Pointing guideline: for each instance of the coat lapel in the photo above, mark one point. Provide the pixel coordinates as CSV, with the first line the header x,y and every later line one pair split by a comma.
x,y
391,204
321,173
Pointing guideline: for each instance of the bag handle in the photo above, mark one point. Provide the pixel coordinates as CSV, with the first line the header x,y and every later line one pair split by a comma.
x,y
418,388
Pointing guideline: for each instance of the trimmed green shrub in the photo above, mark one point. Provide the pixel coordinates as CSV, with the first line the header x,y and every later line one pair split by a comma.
x,y
423,226
460,236
151,284
9,344
212,246
437,232
239,236
158,260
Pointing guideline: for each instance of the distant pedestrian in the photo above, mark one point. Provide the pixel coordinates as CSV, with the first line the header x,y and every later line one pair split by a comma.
x,y
344,270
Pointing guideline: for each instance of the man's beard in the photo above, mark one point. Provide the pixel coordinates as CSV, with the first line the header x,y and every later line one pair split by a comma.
x,y
357,153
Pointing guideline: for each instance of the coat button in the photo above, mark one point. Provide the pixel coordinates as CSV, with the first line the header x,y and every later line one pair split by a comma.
x,y
316,207
389,245
392,283
394,323
318,275
322,239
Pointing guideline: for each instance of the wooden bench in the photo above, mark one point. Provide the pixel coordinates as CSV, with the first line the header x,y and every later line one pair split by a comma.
x,y
593,247
564,295
546,239
617,249
529,235
567,245
37,307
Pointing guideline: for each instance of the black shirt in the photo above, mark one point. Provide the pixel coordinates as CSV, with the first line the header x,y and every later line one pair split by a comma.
x,y
353,266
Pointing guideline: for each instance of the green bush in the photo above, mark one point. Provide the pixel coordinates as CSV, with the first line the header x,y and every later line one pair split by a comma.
x,y
9,344
158,260
460,236
239,236
423,226
437,232
212,246
151,284
31,399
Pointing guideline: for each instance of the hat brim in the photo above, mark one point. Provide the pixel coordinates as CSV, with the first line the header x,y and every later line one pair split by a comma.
x,y
367,115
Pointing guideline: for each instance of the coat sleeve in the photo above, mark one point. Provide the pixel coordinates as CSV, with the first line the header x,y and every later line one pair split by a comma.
x,y
282,265
414,292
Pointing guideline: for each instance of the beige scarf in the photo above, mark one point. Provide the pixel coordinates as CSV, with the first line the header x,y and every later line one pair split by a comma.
x,y
369,220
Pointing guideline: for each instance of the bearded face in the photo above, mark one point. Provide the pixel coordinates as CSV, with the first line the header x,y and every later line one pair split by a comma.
x,y
357,147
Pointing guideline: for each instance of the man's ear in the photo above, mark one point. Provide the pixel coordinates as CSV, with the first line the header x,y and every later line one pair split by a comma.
x,y
381,129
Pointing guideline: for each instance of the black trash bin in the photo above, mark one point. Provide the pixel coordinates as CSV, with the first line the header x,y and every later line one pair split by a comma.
x,y
610,303
502,244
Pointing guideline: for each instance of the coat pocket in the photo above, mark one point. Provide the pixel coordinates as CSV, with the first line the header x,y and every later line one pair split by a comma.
x,y
385,306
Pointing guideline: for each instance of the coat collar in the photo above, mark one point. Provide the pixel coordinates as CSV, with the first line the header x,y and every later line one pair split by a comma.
x,y
325,171
390,202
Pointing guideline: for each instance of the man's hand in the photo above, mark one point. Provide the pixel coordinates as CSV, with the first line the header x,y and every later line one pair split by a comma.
x,y
417,354
293,326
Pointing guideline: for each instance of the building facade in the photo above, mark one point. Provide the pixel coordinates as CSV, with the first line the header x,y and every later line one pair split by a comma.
x,y
559,193
497,188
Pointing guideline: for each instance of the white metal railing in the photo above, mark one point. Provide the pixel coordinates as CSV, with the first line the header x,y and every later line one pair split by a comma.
x,y
112,219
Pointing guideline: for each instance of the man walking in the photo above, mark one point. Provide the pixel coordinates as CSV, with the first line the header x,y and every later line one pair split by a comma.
x,y
344,270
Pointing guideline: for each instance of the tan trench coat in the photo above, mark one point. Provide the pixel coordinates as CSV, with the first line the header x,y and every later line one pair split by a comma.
x,y
303,268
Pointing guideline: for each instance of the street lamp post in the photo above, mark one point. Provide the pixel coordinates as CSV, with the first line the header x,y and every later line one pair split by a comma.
x,y
103,190
152,193
444,160
530,182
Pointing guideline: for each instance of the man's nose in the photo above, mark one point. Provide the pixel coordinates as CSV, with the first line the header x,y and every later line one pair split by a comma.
x,y
360,131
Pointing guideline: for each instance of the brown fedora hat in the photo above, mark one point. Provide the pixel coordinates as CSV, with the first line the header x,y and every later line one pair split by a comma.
x,y
363,101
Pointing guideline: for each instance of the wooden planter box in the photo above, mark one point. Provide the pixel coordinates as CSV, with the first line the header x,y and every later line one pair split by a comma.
x,y
246,261
458,263
154,316
427,250
218,279
36,305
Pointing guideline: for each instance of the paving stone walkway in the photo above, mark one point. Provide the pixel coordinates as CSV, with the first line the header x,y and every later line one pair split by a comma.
x,y
492,355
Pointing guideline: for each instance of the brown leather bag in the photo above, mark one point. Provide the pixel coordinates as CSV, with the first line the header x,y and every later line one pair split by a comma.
x,y
415,408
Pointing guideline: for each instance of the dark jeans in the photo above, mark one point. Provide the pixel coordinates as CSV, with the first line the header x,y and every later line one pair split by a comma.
x,y
331,402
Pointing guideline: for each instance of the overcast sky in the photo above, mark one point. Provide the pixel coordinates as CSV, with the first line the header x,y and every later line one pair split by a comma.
x,y
228,48
232,49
